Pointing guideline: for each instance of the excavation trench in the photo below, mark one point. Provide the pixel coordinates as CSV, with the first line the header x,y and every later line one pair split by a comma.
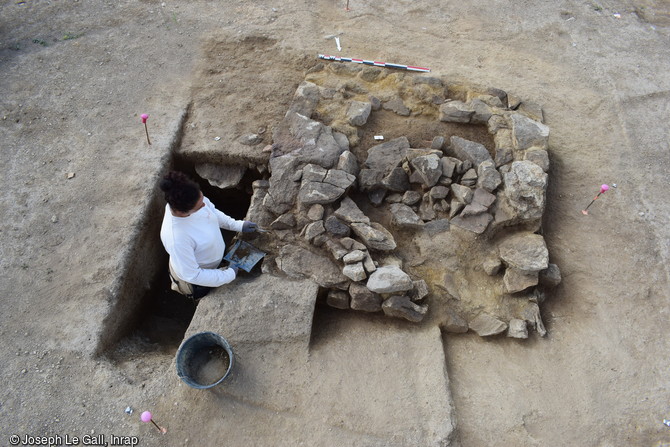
x,y
148,315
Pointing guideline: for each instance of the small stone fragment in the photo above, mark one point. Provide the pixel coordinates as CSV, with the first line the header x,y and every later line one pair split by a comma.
x,y
336,227
404,217
350,213
517,328
358,113
364,299
485,325
355,272
354,257
403,307
348,163
492,266
315,212
314,229
411,197
469,178
454,323
338,299
551,276
518,281
419,291
462,193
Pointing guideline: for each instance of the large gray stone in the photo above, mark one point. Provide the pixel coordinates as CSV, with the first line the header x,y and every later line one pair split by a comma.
x,y
469,150
456,112
428,168
374,236
485,325
283,189
517,281
358,113
305,99
226,176
350,213
308,140
298,262
321,193
525,186
527,133
389,279
386,156
488,176
364,299
347,162
525,251
402,307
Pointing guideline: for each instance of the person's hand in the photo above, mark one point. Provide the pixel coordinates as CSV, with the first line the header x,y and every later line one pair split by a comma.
x,y
235,269
249,227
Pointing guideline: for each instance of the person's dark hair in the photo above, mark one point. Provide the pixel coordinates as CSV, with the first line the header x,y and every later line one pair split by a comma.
x,y
181,192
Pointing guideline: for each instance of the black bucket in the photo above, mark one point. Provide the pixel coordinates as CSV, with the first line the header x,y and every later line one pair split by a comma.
x,y
204,360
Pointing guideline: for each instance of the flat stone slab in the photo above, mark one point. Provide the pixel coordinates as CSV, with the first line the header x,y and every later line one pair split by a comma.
x,y
284,378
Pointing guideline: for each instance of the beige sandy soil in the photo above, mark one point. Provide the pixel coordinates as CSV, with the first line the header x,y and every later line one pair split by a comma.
x,y
75,76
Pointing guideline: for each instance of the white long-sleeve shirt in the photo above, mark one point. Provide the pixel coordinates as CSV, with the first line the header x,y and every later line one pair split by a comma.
x,y
196,246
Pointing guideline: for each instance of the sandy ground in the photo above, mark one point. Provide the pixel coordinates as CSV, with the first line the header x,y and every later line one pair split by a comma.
x,y
76,75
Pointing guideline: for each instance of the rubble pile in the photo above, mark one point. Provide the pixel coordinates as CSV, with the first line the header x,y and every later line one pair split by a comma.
x,y
314,200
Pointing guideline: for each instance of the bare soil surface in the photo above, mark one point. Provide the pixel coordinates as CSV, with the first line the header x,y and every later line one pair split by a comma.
x,y
79,177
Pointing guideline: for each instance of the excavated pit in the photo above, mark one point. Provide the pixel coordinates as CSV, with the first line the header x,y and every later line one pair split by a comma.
x,y
158,317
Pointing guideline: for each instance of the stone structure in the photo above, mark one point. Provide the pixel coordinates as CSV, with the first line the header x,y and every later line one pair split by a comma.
x,y
320,185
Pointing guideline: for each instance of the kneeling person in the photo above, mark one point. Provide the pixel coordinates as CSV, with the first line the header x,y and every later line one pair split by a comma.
x,y
192,237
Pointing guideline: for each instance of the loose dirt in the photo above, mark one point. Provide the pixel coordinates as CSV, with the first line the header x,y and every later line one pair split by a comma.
x,y
77,75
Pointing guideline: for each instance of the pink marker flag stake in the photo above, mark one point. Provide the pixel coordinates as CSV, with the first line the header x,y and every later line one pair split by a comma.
x,y
146,417
145,117
603,188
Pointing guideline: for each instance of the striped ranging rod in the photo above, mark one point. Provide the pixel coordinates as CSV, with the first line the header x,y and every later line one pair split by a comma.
x,y
376,64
